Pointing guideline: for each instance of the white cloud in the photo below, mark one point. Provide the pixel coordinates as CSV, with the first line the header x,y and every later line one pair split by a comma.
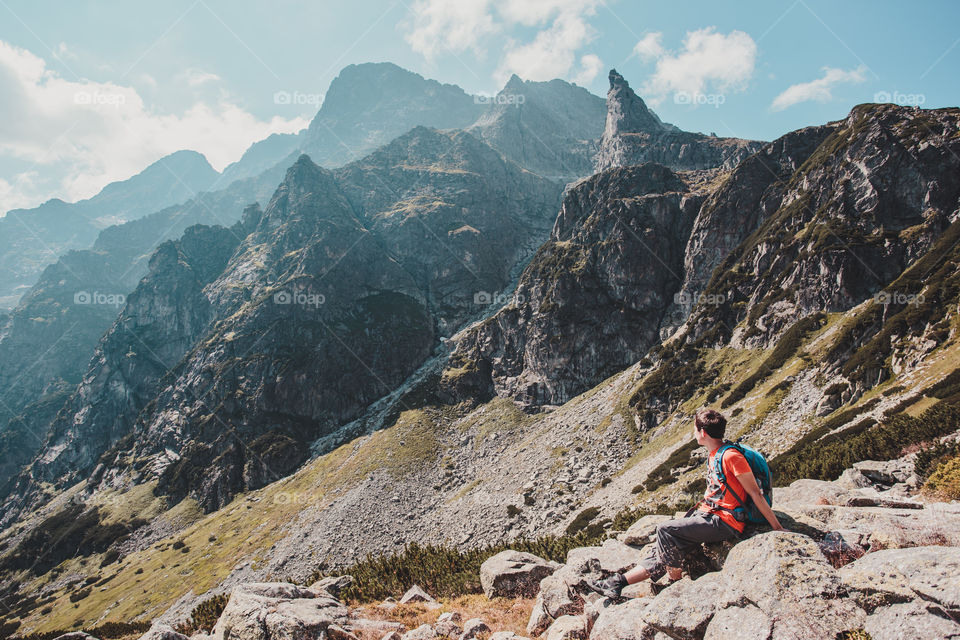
x,y
552,54
85,134
819,90
708,62
453,25
650,47
590,67
196,77
440,26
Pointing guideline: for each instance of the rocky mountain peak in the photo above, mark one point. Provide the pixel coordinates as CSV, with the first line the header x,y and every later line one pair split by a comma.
x,y
627,112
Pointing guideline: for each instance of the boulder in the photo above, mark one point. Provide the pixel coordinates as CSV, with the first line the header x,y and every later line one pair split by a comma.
x,y
278,610
622,622
900,575
915,619
739,623
643,531
891,528
512,574
332,585
472,628
568,628
808,492
76,635
416,594
555,599
448,624
612,556
423,632
887,472
684,609
336,632
786,576
160,632
392,635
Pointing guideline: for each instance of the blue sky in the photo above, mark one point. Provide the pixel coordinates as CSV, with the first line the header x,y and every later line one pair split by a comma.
x,y
95,91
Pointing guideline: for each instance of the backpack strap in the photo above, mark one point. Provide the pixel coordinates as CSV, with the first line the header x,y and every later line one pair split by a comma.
x,y
721,476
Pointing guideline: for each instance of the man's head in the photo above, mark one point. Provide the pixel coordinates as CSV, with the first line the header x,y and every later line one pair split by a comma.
x,y
709,423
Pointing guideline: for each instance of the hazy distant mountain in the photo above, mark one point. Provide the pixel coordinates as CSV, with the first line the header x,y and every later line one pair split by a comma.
x,y
30,239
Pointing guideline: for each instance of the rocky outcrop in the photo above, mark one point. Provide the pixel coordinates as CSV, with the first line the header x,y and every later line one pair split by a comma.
x,y
551,128
512,574
873,196
159,323
336,267
275,611
591,299
634,135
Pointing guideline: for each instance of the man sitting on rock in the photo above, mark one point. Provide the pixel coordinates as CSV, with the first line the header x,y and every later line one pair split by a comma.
x,y
714,520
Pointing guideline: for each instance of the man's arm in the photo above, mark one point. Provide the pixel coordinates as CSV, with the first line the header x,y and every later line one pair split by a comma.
x,y
753,490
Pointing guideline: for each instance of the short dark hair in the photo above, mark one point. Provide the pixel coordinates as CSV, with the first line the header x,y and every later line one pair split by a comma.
x,y
712,422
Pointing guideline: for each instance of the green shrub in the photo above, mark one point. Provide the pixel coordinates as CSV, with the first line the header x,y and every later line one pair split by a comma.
x,y
826,459
930,458
945,481
205,615
442,571
583,518
104,631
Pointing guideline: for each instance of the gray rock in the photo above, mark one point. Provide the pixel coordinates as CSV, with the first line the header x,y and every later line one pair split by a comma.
x,y
612,556
808,492
888,472
684,609
911,620
739,623
568,628
512,574
423,632
622,622
448,624
162,632
269,611
472,628
786,576
643,531
899,575
333,585
853,479
416,594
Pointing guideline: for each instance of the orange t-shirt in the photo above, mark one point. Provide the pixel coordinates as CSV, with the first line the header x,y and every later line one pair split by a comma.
x,y
733,464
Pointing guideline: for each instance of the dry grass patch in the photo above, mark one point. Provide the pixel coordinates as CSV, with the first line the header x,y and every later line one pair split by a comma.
x,y
500,614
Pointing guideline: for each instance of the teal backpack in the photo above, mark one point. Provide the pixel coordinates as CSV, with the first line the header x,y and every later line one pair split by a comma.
x,y
761,471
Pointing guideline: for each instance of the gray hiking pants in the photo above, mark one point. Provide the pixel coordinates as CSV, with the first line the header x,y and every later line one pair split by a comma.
x,y
676,538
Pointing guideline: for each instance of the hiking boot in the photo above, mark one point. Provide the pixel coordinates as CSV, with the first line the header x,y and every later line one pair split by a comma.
x,y
609,587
